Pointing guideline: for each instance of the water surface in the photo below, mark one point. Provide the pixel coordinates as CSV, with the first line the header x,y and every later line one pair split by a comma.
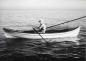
x,y
15,49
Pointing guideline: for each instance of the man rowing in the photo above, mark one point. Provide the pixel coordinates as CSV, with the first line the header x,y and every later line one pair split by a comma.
x,y
42,26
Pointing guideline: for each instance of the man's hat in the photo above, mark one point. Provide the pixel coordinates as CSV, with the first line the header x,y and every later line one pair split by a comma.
x,y
41,20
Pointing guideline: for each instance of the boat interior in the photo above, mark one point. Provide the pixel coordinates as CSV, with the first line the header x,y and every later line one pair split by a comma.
x,y
33,31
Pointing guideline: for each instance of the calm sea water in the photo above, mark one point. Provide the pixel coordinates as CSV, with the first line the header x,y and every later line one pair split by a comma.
x,y
24,49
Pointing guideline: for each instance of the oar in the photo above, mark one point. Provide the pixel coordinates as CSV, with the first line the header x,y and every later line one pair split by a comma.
x,y
39,34
67,21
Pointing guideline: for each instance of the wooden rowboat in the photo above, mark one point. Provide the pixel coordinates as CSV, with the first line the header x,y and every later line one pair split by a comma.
x,y
50,34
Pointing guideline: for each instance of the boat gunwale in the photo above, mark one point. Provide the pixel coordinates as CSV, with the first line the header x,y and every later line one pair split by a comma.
x,y
48,33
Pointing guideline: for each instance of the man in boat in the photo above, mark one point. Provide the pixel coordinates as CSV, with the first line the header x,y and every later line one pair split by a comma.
x,y
42,27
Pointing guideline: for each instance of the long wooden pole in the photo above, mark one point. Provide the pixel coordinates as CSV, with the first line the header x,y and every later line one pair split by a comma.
x,y
67,21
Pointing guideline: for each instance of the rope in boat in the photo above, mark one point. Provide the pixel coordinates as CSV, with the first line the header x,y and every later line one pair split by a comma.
x,y
67,21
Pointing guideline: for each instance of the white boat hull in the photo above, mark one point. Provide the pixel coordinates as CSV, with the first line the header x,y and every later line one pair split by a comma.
x,y
70,35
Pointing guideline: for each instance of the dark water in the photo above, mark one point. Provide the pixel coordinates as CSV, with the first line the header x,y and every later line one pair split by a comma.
x,y
32,50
